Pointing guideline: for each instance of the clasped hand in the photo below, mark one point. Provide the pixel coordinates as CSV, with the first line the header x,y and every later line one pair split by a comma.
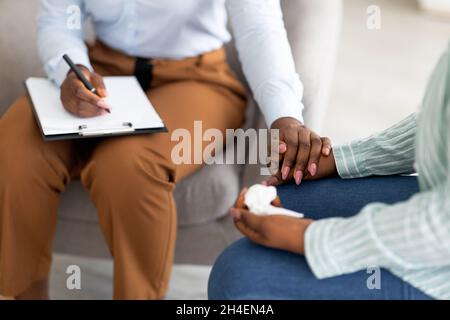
x,y
273,231
305,155
301,150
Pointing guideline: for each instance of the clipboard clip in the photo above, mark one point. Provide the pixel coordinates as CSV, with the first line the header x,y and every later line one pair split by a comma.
x,y
127,127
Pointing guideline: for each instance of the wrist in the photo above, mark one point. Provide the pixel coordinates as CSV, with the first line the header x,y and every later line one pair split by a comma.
x,y
82,68
326,168
285,121
332,164
303,227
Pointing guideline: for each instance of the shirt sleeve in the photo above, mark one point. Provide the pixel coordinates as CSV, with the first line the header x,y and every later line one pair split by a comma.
x,y
386,153
410,235
60,31
266,57
407,237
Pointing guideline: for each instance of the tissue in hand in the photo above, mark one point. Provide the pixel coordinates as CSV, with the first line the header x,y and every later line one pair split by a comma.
x,y
259,201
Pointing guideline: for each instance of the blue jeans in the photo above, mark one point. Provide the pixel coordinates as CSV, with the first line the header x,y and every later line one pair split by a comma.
x,y
248,271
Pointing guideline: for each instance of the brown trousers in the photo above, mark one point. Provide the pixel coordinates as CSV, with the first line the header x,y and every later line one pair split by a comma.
x,y
130,179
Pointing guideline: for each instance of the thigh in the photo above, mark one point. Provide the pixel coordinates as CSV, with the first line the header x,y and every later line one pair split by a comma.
x,y
249,271
182,104
337,197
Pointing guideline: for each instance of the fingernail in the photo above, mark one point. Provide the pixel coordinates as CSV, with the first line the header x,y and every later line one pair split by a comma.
x,y
327,151
285,172
313,169
102,104
282,148
235,213
298,177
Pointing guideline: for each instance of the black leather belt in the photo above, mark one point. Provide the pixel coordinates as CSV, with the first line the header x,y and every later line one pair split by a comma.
x,y
144,72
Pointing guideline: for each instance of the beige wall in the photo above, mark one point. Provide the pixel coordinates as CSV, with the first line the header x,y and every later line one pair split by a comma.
x,y
381,74
440,7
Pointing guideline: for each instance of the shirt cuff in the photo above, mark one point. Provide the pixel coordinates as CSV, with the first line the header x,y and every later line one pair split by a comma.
x,y
280,99
281,106
57,68
340,246
350,161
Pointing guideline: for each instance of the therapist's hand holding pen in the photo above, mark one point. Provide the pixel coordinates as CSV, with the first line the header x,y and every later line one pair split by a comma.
x,y
79,100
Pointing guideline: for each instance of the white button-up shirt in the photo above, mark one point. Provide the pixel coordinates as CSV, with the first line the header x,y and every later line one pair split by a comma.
x,y
177,29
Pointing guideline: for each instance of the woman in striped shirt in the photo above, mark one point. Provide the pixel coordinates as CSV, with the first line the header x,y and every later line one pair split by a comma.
x,y
369,238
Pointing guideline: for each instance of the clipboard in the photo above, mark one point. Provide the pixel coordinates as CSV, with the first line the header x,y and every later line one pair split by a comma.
x,y
132,112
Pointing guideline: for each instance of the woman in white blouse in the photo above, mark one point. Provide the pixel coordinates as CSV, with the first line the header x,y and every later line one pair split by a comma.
x,y
175,48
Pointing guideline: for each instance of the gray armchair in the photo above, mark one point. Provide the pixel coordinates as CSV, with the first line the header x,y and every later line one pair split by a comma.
x,y
202,199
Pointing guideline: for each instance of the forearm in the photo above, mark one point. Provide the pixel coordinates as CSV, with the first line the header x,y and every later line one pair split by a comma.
x,y
266,57
326,168
387,153
409,235
56,37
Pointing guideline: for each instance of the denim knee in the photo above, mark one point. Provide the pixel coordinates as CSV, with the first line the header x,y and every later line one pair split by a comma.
x,y
228,280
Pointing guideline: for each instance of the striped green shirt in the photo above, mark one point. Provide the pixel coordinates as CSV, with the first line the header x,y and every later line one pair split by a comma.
x,y
411,238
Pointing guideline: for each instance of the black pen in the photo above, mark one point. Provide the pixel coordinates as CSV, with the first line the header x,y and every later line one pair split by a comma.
x,y
81,77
